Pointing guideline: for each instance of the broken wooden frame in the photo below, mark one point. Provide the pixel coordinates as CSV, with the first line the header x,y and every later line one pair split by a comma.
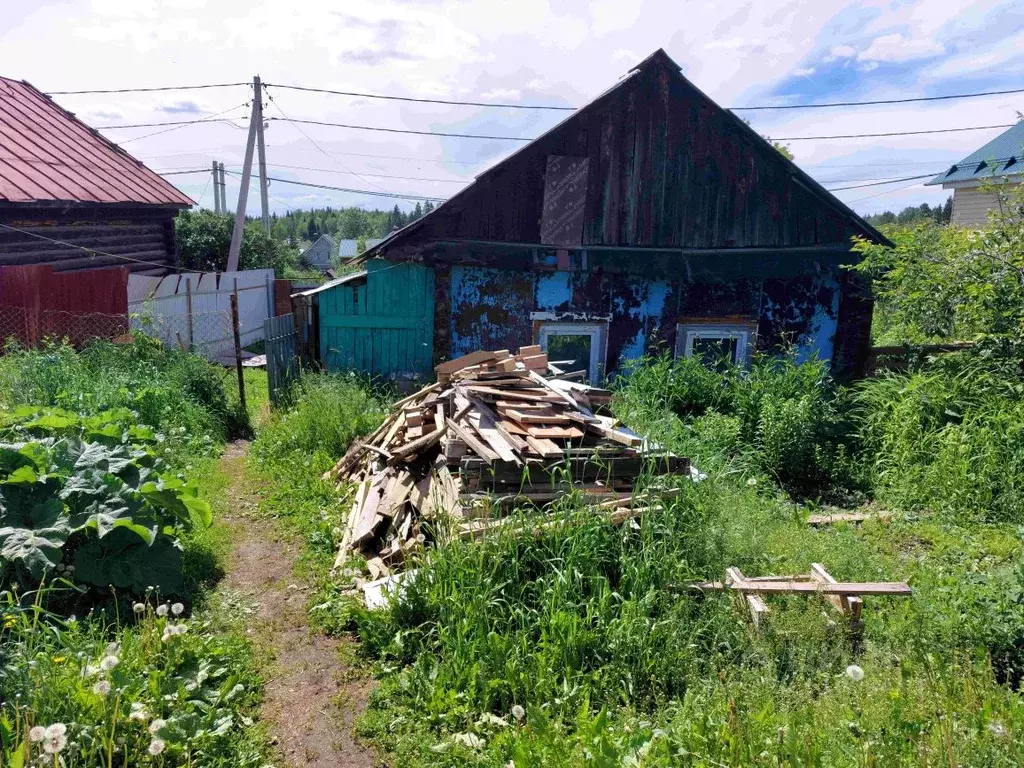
x,y
845,597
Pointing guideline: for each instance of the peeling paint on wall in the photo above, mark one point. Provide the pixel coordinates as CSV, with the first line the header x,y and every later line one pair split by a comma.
x,y
800,311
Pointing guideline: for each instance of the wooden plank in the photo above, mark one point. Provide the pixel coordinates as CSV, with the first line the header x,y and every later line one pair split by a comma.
x,y
416,395
473,358
485,428
399,422
369,515
535,362
469,439
515,441
544,447
530,351
561,433
512,394
562,395
419,444
421,492
846,517
439,417
757,606
851,606
894,588
397,494
535,417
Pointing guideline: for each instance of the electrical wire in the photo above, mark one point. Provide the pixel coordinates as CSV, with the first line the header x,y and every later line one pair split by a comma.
x,y
884,182
873,102
148,90
401,130
395,196
891,133
452,102
92,251
364,173
215,117
323,151
884,192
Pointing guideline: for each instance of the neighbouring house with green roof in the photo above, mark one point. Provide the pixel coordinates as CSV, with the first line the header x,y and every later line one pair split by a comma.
x,y
1000,163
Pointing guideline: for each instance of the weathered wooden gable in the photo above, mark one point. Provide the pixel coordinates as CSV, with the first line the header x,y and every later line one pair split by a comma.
x,y
666,167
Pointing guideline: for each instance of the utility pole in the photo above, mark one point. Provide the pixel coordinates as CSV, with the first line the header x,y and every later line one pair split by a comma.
x,y
243,191
216,188
222,182
257,87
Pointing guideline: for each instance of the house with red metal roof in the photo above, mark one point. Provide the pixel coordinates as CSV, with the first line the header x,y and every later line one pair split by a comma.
x,y
74,200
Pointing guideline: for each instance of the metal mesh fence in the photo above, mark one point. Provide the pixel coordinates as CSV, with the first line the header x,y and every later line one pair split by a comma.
x,y
209,334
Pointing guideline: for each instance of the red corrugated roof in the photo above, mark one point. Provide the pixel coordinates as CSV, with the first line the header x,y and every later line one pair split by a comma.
x,y
47,154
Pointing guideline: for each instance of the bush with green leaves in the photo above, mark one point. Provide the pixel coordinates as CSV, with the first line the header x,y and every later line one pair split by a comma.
x,y
175,392
87,498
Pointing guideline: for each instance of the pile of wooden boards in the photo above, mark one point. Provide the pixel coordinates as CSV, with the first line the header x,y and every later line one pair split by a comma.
x,y
495,431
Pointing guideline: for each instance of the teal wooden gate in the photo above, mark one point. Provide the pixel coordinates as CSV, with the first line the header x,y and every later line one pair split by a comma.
x,y
382,325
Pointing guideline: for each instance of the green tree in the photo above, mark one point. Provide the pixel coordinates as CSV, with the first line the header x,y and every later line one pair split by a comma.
x,y
204,239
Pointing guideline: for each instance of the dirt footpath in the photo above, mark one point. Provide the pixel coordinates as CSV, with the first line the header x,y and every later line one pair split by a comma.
x,y
311,699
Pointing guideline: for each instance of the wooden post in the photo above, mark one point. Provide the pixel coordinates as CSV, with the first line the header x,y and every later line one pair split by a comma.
x,y
188,309
238,347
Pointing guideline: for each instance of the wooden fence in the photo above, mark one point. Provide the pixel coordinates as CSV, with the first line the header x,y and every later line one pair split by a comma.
x,y
904,356
281,339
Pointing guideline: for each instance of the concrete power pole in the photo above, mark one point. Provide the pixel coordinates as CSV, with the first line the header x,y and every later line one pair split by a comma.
x,y
216,188
243,190
223,184
262,151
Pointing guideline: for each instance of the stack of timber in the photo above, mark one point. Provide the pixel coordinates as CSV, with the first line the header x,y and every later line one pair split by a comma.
x,y
495,431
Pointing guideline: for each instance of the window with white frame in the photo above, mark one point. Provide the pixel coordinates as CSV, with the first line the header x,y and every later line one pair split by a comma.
x,y
576,347
716,343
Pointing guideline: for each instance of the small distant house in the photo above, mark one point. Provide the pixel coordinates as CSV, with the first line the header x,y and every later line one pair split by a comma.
x,y
977,179
349,248
318,255
649,220
73,200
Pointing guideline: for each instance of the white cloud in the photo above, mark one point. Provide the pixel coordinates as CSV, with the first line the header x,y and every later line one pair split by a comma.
x,y
840,52
626,55
897,48
803,72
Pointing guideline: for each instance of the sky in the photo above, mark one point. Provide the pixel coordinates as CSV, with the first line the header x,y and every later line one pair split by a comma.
x,y
767,52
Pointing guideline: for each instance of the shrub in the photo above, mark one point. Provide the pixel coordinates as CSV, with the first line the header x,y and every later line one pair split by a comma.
x,y
87,497
167,389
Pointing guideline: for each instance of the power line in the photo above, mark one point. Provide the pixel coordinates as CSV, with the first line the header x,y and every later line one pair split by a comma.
x,y
215,117
822,105
891,133
178,173
882,183
169,122
148,90
452,102
364,173
395,196
885,192
401,130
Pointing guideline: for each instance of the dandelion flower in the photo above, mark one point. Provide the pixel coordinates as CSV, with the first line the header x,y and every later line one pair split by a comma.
x,y
55,738
161,610
139,608
177,609
102,687
157,746
518,712
157,725
107,663
38,733
855,673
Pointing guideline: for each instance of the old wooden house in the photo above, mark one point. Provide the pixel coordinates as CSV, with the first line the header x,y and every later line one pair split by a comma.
x,y
71,199
651,219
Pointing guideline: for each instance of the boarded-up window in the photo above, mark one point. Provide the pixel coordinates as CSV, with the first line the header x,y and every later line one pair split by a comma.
x,y
565,198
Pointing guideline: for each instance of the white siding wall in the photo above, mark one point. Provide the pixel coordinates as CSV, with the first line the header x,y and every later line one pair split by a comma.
x,y
971,206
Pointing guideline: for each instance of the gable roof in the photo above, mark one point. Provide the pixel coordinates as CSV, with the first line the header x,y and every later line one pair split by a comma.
x,y
1003,156
348,247
48,155
657,59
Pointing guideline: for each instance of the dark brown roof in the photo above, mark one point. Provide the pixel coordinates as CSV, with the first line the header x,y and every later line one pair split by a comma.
x,y
48,155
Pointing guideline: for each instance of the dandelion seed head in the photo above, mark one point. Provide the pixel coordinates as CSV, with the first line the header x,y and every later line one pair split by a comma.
x,y
161,610
518,712
38,733
107,663
102,687
55,738
177,609
997,728
139,608
157,725
157,746
855,673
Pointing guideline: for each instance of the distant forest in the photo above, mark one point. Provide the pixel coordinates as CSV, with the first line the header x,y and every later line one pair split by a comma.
x,y
296,227
913,214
